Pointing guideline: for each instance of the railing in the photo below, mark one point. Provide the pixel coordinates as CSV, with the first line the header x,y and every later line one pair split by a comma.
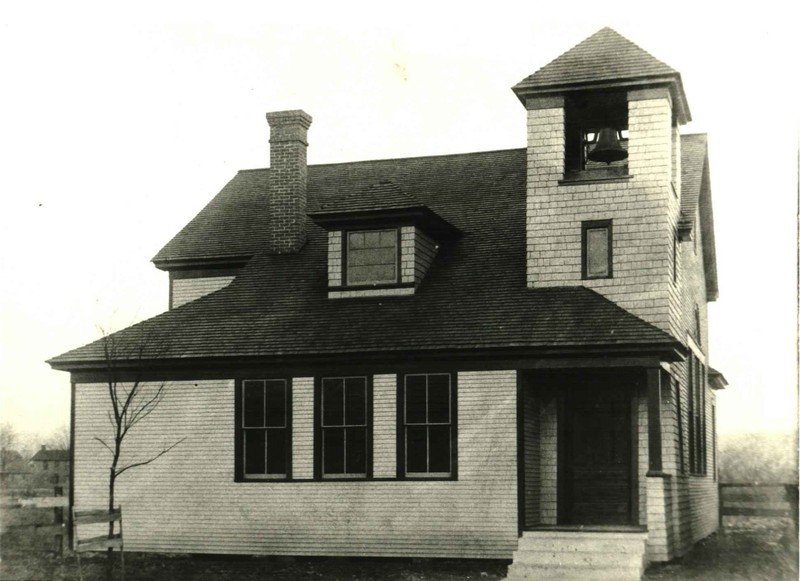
x,y
765,499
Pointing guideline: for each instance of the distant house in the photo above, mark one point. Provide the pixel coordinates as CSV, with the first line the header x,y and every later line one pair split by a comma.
x,y
51,467
15,475
496,354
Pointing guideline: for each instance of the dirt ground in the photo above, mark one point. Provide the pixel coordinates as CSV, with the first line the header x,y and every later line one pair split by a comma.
x,y
749,549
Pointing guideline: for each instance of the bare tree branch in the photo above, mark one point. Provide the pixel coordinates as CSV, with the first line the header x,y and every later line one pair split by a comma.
x,y
144,410
131,402
156,457
104,444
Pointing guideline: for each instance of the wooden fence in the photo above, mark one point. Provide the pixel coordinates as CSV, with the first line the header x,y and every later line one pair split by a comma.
x,y
34,525
766,499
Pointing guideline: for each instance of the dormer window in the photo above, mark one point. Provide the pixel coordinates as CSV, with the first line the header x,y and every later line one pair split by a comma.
x,y
372,257
381,241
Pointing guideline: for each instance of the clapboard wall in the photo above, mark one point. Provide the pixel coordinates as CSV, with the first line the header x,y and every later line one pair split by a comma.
x,y
187,500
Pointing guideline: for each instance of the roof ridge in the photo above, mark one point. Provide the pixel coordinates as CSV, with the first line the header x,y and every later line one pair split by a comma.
x,y
387,159
579,66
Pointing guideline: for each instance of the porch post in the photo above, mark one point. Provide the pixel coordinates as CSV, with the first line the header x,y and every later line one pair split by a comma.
x,y
654,383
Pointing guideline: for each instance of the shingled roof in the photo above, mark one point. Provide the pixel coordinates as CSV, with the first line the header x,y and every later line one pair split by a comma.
x,y
45,455
474,297
696,200
604,59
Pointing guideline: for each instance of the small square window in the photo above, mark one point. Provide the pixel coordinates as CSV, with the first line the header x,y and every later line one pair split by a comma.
x,y
596,249
372,257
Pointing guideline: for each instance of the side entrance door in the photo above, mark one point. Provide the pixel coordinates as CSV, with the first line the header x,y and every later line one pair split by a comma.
x,y
596,458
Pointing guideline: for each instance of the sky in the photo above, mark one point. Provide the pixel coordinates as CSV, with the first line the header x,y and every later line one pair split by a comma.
x,y
119,122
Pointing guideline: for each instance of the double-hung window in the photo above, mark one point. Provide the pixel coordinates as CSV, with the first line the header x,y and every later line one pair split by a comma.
x,y
427,415
697,410
264,429
344,419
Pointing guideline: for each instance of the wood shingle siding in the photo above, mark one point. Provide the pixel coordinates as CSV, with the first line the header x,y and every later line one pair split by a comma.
x,y
548,458
185,290
640,208
531,434
425,251
187,500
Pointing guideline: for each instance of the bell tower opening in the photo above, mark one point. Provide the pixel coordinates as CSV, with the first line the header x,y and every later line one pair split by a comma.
x,y
595,134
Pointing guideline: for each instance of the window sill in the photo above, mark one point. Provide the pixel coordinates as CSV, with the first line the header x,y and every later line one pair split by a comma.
x,y
348,480
595,176
362,287
248,479
365,292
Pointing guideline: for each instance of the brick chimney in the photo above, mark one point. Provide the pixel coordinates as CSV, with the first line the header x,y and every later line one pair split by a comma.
x,y
287,180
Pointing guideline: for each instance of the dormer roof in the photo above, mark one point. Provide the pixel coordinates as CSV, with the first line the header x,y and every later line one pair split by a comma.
x,y
604,60
381,203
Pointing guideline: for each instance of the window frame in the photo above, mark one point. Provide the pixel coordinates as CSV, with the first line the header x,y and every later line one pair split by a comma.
x,y
319,474
679,415
696,373
402,473
586,113
239,431
698,325
587,225
675,257
346,258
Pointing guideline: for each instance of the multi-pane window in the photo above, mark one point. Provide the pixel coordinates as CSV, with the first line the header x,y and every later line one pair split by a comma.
x,y
265,431
714,441
427,425
675,257
344,427
596,249
698,329
372,257
679,415
697,408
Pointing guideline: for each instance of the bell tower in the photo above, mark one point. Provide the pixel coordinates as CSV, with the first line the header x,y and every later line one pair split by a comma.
x,y
603,174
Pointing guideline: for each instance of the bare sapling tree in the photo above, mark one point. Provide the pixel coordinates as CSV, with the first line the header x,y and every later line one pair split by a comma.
x,y
132,400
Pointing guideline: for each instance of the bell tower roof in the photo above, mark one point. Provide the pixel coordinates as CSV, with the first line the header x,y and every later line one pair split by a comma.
x,y
605,60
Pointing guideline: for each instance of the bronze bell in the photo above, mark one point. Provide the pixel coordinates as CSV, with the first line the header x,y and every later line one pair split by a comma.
x,y
608,148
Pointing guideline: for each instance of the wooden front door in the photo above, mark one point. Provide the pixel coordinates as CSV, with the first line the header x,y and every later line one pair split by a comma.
x,y
597,456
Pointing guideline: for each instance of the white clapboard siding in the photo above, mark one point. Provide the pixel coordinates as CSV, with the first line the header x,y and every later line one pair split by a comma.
x,y
187,500
185,290
384,432
303,427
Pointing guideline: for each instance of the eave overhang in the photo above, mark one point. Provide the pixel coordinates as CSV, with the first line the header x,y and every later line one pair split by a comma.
x,y
716,380
527,89
231,261
514,357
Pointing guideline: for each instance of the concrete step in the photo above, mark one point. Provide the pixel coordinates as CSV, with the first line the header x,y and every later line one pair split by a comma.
x,y
576,545
520,572
581,558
